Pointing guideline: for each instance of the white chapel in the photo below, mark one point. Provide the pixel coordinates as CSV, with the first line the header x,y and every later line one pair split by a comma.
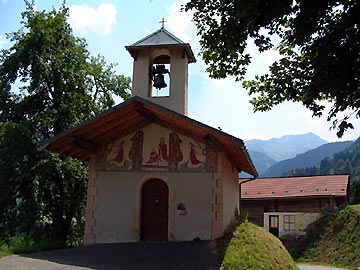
x,y
154,173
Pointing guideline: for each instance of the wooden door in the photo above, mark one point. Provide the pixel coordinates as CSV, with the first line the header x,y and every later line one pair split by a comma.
x,y
274,225
154,216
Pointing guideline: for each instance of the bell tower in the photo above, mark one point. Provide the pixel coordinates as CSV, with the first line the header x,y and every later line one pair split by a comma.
x,y
160,70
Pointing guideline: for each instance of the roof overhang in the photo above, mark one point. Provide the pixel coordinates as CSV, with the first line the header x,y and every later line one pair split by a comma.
x,y
133,50
290,198
136,113
161,39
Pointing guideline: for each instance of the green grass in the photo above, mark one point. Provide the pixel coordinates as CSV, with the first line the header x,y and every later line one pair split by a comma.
x,y
355,207
5,250
340,242
249,247
20,245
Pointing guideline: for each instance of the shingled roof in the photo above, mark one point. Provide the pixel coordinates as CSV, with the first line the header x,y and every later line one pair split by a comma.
x,y
285,187
161,37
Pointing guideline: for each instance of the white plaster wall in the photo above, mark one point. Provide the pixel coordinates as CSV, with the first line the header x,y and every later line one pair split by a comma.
x,y
193,190
302,220
140,82
115,211
230,191
178,98
117,201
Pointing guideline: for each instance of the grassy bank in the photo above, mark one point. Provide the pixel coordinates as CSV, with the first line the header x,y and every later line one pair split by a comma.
x,y
247,246
20,245
338,244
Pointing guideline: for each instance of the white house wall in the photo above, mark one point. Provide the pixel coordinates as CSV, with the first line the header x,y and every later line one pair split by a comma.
x,y
302,220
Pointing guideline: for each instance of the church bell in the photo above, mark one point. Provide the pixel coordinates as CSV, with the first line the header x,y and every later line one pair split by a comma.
x,y
158,76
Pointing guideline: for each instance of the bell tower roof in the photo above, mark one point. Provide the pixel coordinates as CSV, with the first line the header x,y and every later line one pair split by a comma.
x,y
162,38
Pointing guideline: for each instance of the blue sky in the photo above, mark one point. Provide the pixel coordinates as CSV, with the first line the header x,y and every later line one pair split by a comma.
x,y
108,26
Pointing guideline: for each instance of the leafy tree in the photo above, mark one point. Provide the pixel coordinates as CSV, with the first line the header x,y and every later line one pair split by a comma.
x,y
319,48
354,196
61,85
15,179
301,172
314,170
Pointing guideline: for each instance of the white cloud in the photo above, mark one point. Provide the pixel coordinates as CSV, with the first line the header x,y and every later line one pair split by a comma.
x,y
3,41
86,19
260,62
180,23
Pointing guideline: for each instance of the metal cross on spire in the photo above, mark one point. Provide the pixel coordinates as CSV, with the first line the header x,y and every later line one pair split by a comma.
x,y
162,22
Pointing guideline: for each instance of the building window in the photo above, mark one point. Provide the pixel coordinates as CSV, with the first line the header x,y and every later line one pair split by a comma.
x,y
289,223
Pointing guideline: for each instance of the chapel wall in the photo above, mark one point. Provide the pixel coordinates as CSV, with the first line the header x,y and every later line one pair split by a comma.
x,y
185,164
91,201
118,215
230,192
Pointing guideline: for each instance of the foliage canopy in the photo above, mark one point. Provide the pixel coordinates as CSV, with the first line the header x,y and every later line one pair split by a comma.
x,y
48,83
319,48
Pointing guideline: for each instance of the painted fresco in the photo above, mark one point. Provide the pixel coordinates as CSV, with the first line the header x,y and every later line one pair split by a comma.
x,y
156,148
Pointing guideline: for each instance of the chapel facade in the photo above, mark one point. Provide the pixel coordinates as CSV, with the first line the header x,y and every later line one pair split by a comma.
x,y
154,173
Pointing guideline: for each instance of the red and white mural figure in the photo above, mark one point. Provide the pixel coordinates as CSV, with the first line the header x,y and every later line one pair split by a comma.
x,y
154,157
159,156
157,148
136,150
175,154
119,157
163,152
194,157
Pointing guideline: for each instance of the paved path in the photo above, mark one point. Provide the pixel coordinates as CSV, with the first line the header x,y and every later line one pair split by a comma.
x,y
317,267
139,256
134,256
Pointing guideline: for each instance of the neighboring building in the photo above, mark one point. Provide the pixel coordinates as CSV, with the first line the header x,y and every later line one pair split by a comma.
x,y
154,173
287,205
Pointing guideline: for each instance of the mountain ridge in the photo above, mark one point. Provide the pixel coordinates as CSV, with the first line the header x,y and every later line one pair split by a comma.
x,y
261,161
285,147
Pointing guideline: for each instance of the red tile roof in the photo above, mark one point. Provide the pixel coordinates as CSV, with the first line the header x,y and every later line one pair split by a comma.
x,y
283,187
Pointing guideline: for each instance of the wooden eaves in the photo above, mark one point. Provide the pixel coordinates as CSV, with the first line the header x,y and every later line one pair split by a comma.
x,y
85,139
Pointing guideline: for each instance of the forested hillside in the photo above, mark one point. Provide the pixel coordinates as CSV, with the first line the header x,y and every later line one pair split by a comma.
x,y
344,162
308,159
